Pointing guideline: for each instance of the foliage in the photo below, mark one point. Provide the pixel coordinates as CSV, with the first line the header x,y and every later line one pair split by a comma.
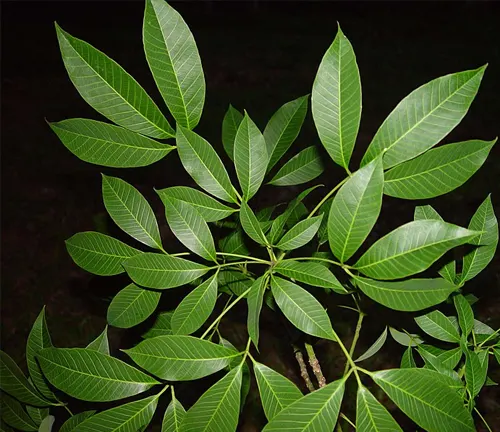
x,y
274,257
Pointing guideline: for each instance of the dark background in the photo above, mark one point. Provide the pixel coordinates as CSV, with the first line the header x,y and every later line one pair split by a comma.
x,y
256,56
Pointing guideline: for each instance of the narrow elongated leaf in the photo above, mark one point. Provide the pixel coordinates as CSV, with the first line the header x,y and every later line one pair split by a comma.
x,y
375,348
432,362
190,228
131,306
110,90
174,415
424,117
437,325
37,414
130,211
203,164
71,424
161,327
14,415
276,391
303,167
465,314
250,157
449,271
475,372
234,243
100,343
210,209
323,228
300,234
195,308
98,253
163,271
128,417
483,220
404,338
316,412
438,171
181,358
108,145
407,360
255,300
450,358
355,209
411,248
173,58
217,410
230,125
38,339
92,376
283,127
408,295
311,273
301,308
336,100
371,415
13,381
423,396
251,225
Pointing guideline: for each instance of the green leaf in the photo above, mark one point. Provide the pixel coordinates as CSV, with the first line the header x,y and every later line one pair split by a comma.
x,y
98,253
203,164
47,424
190,228
174,415
234,282
437,171
283,128
301,308
230,125
483,220
336,100
161,327
71,424
109,89
276,391
426,399
355,209
91,375
130,211
37,414
163,271
434,363
100,343
255,299
311,273
300,234
409,295
437,325
195,308
251,225
180,358
108,145
371,415
405,339
465,314
323,228
234,243
411,248
217,410
250,157
131,306
375,348
124,418
173,58
475,372
303,167
449,271
426,212
13,381
316,412
14,415
299,212
407,361
210,209
451,357
424,117
38,339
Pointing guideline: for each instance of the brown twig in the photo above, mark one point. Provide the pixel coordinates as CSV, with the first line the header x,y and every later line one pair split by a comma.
x,y
315,366
303,369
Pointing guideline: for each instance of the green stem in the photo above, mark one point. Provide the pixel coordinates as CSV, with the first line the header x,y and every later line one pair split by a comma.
x,y
347,420
355,339
349,358
244,257
315,259
491,336
163,390
219,266
325,198
224,312
483,419
315,365
67,409
247,351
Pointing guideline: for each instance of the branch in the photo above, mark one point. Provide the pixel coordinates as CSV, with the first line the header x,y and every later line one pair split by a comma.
x,y
303,369
316,367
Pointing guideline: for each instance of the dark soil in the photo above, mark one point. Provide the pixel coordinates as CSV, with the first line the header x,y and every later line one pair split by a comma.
x,y
256,56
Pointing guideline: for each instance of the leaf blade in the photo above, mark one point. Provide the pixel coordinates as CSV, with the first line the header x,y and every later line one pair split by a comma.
x,y
303,167
311,273
371,415
300,234
251,225
437,325
255,300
